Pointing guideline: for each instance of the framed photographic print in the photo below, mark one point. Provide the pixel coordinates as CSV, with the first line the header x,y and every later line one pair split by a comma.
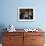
x,y
26,14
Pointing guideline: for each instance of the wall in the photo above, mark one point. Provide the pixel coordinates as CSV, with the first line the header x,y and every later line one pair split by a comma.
x,y
9,13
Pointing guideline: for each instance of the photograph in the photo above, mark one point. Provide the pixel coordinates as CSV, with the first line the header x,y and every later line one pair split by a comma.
x,y
25,14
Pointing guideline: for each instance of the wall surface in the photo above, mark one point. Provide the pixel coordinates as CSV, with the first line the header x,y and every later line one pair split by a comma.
x,y
8,13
